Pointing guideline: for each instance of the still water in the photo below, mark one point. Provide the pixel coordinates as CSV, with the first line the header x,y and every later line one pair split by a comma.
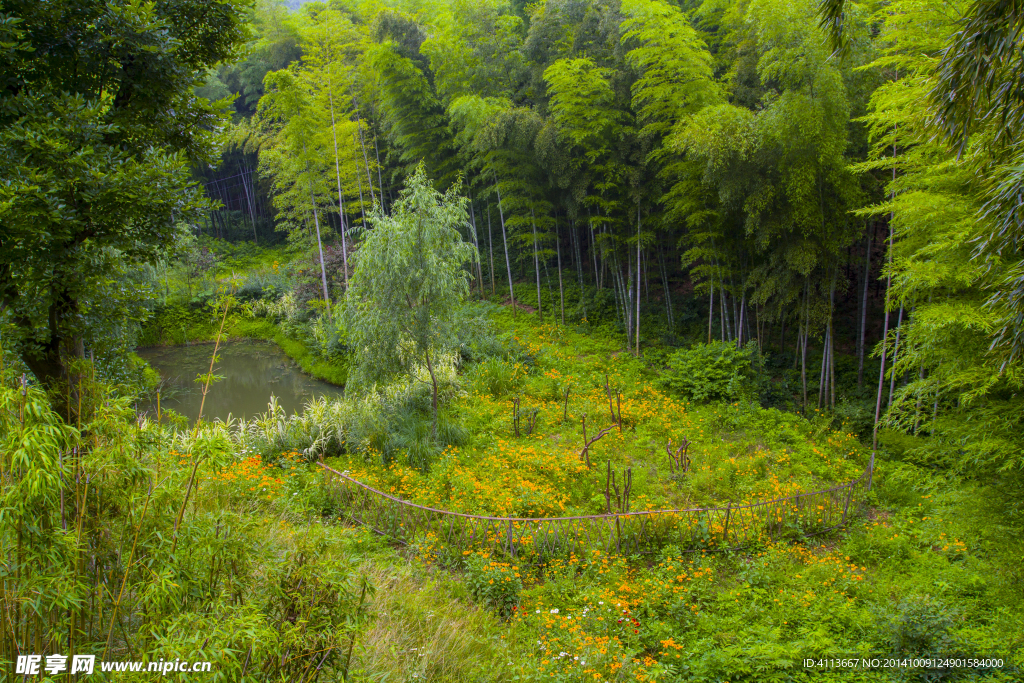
x,y
252,371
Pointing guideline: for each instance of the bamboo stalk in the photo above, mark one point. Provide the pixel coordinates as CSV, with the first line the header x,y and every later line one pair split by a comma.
x,y
127,568
202,404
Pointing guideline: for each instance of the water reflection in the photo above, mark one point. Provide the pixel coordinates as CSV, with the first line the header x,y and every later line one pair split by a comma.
x,y
252,371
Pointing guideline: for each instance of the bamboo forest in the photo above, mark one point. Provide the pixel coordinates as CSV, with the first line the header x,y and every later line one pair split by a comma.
x,y
493,340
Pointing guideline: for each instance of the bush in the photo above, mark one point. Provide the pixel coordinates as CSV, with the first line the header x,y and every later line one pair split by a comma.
x,y
263,284
496,584
180,324
920,628
856,416
715,372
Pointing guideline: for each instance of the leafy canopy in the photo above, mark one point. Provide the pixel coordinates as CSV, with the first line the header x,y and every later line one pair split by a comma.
x,y
98,126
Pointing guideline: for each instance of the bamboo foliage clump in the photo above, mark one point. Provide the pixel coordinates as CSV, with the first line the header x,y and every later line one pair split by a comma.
x,y
120,538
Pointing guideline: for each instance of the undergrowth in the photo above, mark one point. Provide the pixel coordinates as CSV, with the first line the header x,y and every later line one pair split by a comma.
x,y
929,566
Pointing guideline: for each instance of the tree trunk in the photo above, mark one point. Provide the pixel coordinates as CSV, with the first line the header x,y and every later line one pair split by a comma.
x,y
579,254
711,307
805,325
337,175
490,247
362,146
832,339
536,267
380,178
561,289
320,248
734,333
723,302
638,264
46,360
647,278
476,244
862,333
433,396
881,367
249,204
668,290
895,354
617,291
823,374
743,306
627,301
832,367
504,240
362,206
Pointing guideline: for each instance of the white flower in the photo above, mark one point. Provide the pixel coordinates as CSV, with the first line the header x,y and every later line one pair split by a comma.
x,y
554,611
538,611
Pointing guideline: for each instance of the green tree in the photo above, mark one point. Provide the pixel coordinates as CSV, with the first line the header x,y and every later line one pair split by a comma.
x,y
979,74
772,225
414,115
964,391
408,285
308,145
97,130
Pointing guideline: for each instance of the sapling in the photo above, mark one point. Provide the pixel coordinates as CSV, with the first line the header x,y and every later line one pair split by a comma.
x,y
587,443
206,379
611,489
679,459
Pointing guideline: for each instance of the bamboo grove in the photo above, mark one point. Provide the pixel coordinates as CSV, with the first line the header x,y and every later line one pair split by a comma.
x,y
708,171
720,245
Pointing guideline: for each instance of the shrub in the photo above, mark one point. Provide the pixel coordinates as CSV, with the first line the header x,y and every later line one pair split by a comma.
x,y
263,284
715,372
920,628
179,324
496,584
856,416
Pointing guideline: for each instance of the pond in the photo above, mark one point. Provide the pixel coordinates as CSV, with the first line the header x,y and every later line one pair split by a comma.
x,y
252,371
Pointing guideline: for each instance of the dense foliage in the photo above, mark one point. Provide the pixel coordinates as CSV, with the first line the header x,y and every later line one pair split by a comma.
x,y
683,173
718,253
98,126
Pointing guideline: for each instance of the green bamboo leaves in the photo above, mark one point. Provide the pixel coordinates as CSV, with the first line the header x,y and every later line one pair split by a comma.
x,y
674,65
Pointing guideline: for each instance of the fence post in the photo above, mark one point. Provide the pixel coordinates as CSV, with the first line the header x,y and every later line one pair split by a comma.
x,y
511,548
846,506
725,531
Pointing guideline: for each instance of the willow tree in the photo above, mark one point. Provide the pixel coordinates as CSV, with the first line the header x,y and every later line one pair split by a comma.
x,y
408,284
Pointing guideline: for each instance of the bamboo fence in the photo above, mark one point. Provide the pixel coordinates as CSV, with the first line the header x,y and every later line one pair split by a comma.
x,y
527,539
